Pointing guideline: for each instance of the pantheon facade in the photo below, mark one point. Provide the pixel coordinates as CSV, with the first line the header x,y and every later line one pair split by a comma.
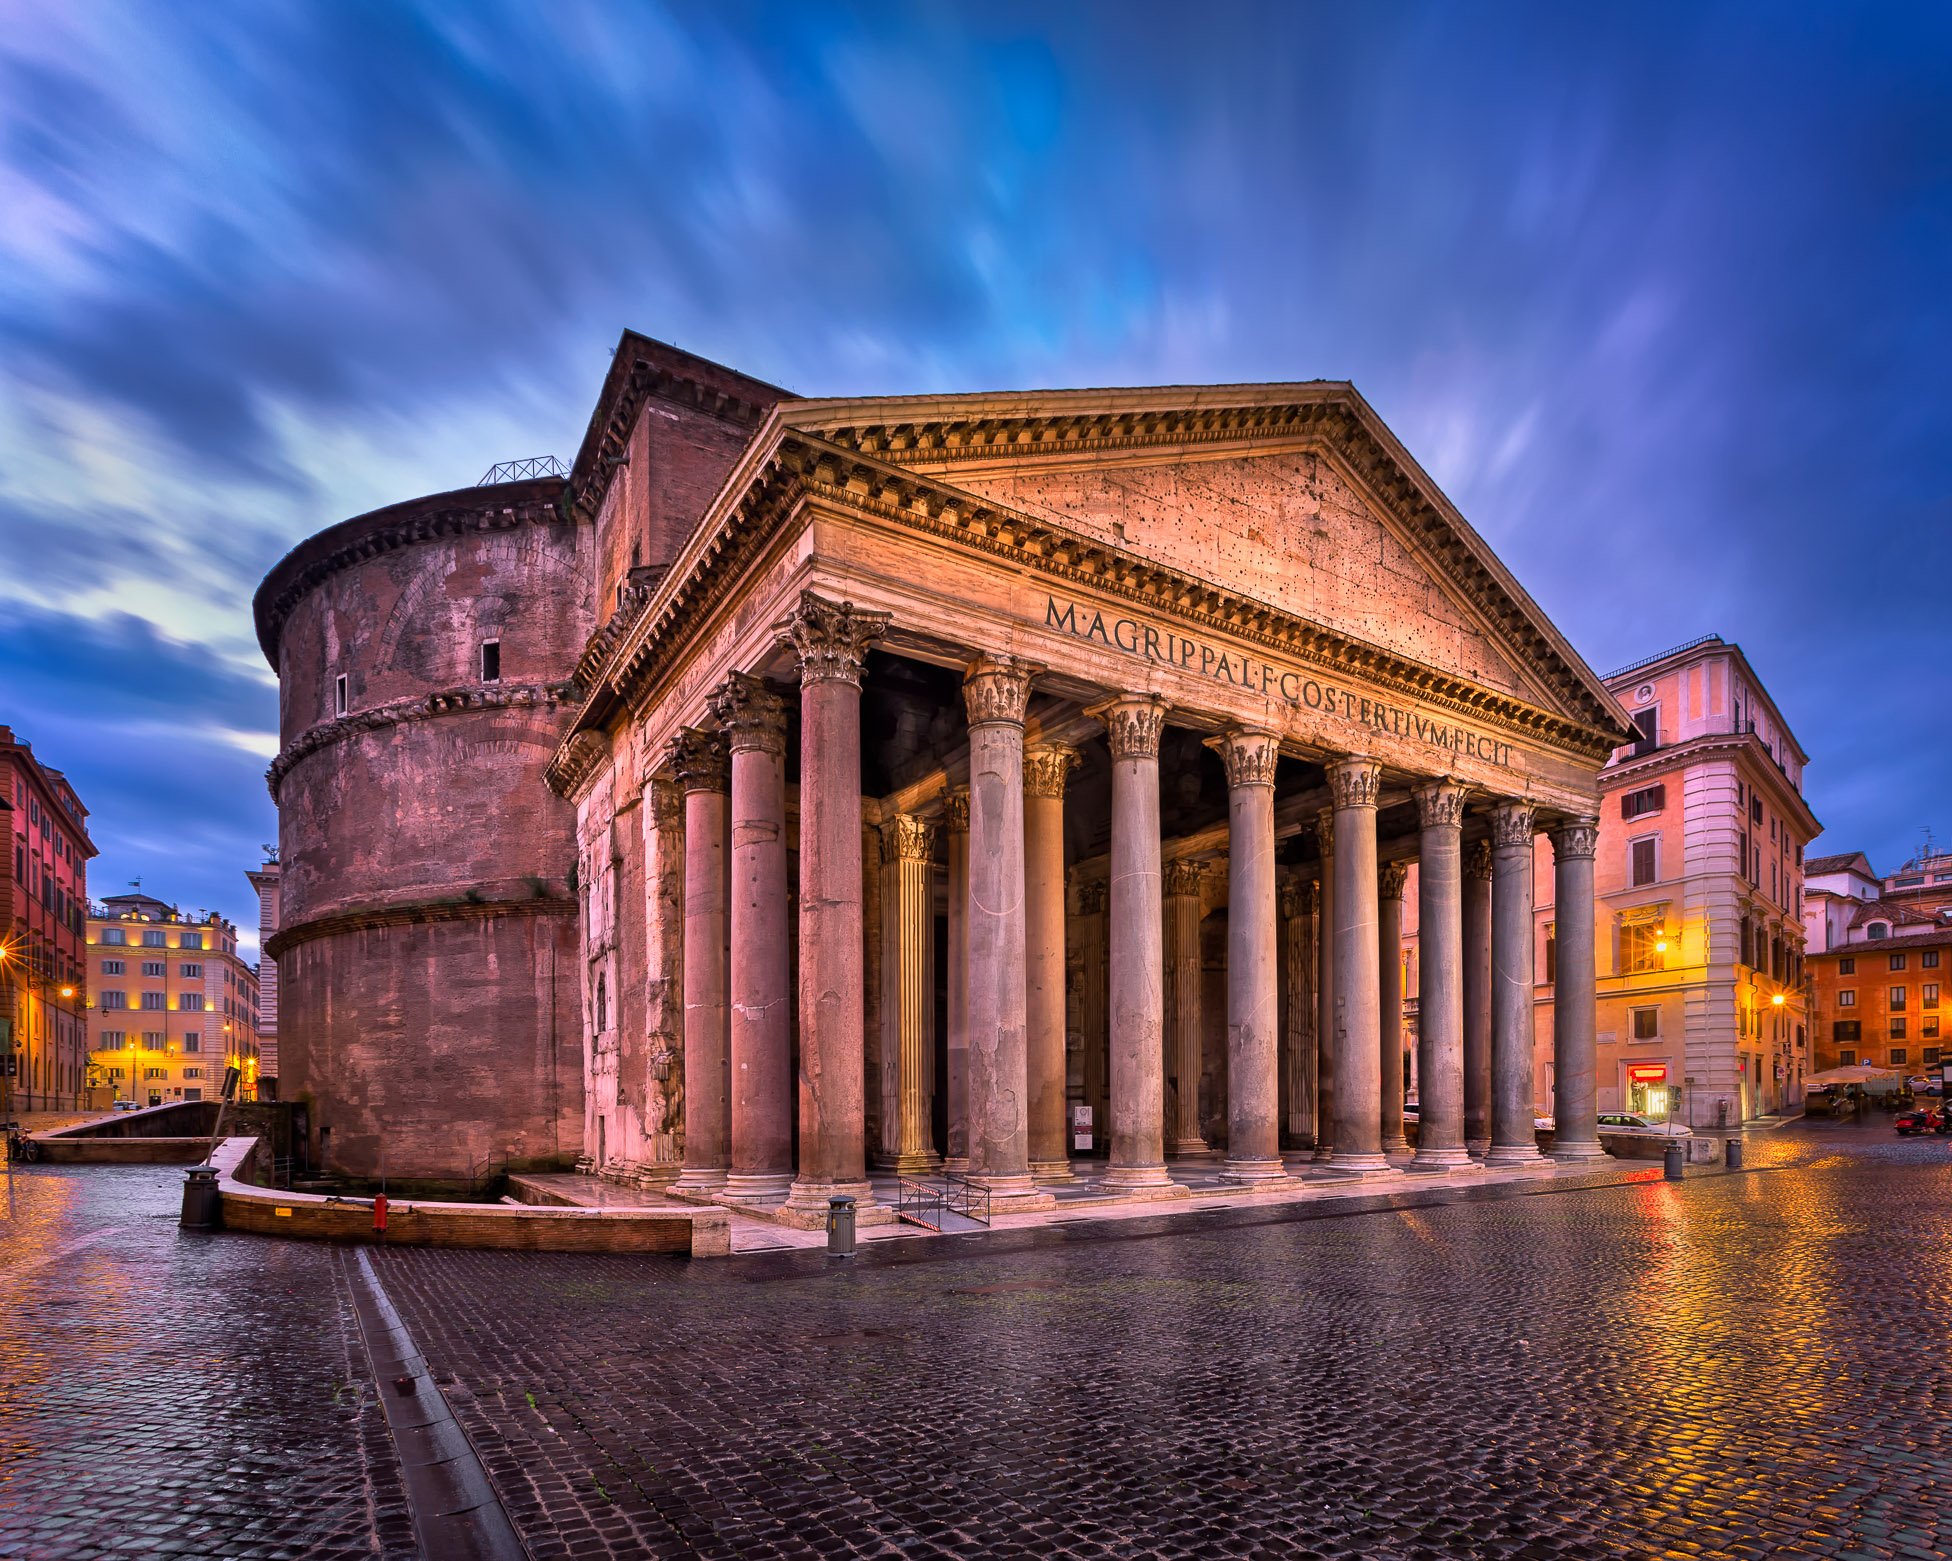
x,y
1021,786
1024,785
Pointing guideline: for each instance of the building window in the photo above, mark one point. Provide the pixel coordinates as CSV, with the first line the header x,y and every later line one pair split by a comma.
x,y
1897,1029
190,940
1928,996
1929,1056
1847,1058
152,1000
193,1094
1928,958
113,937
1846,1030
1755,808
1551,958
1897,962
152,1040
339,694
1640,948
1928,1027
1646,1024
1846,967
152,967
491,661
1897,998
1897,1056
1877,930
190,1002
152,940
112,967
1847,999
113,1000
193,1073
193,1041
192,971
1648,722
1643,858
1649,799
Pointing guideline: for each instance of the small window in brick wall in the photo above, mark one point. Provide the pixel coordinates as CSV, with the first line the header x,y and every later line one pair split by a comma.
x,y
1649,799
491,661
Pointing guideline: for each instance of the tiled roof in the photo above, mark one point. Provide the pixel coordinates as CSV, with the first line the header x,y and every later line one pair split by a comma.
x,y
1816,866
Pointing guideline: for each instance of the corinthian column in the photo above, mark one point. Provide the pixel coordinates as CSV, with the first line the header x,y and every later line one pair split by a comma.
x,y
1045,770
1298,1011
1355,784
1440,984
955,816
831,641
1574,1110
699,760
1390,880
996,690
908,994
1184,1038
1253,976
1325,990
1133,723
1514,1138
754,720
1477,998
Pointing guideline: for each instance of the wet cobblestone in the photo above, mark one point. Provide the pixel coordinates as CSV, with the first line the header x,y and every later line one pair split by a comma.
x,y
1742,1366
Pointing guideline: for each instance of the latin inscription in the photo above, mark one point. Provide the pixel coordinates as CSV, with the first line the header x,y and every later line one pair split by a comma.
x,y
1172,649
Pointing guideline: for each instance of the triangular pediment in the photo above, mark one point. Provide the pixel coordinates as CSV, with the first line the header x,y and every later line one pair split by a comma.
x,y
1295,495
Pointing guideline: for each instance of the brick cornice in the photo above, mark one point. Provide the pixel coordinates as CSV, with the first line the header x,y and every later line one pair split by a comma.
x,y
420,707
367,919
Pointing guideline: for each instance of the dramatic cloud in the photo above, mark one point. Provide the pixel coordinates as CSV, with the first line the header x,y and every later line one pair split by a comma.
x,y
1658,294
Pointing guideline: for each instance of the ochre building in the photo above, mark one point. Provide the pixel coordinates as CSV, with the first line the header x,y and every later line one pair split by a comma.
x,y
1012,784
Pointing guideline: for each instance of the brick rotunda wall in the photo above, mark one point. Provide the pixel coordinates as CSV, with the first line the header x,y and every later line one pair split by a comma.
x,y
429,1010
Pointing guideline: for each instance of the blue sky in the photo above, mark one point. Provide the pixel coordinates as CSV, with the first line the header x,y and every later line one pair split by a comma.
x,y
1658,293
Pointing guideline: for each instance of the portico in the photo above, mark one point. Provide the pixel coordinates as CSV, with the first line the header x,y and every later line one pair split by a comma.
x,y
1078,746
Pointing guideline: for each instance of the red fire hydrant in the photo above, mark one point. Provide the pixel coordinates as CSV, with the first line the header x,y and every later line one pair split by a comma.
x,y
379,1215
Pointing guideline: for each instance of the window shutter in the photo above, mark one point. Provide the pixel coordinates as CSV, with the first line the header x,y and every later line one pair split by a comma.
x,y
1659,798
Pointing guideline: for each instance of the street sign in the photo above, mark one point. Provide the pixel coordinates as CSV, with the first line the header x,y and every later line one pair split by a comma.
x,y
1081,1127
231,1076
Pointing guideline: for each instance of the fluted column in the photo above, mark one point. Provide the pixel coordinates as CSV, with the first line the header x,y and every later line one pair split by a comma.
x,y
1440,978
699,760
1253,974
996,691
831,641
955,817
1046,769
753,718
1355,784
1574,1107
908,993
1185,1047
1390,879
1477,998
1133,723
1514,1138
1325,990
1298,1011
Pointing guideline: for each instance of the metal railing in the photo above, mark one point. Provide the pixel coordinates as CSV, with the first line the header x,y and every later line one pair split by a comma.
x,y
1648,661
528,466
927,1203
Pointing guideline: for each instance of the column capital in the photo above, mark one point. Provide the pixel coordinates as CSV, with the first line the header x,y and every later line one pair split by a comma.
x,y
1477,860
997,688
1440,804
1249,753
1297,897
752,715
955,810
908,837
1390,879
1576,837
1355,782
1092,895
667,802
1513,823
1182,877
699,760
1133,723
831,639
1046,769
1325,830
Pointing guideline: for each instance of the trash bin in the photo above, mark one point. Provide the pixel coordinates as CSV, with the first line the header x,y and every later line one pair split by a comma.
x,y
203,1205
1732,1154
1673,1157
840,1226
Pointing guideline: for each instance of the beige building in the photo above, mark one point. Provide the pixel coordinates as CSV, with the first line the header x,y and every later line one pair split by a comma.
x,y
265,881
170,1003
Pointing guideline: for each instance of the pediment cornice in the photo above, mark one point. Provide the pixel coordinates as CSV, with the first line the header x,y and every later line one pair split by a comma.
x,y
801,468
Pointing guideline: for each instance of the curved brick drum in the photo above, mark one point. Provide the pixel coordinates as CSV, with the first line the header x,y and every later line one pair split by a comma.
x,y
429,1011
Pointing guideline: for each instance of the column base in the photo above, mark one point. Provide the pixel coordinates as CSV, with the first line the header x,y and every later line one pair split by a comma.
x,y
710,1178
925,1163
1515,1154
1368,1163
756,1186
1253,1171
1190,1149
1323,1154
1015,1194
1573,1153
1396,1143
956,1165
808,1197
1140,1178
1478,1147
1052,1171
1453,1159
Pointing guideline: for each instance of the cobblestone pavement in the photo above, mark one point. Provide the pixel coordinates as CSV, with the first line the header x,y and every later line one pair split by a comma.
x,y
1743,1366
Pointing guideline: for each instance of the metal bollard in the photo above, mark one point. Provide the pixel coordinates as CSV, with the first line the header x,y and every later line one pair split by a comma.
x,y
840,1226
1732,1154
1673,1157
203,1203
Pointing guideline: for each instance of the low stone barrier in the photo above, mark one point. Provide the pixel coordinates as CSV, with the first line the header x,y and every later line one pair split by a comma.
x,y
59,1149
423,1223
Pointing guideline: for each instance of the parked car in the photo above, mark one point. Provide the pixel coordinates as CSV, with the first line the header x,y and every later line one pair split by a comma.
x,y
1634,1122
1923,1084
1920,1119
128,1105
